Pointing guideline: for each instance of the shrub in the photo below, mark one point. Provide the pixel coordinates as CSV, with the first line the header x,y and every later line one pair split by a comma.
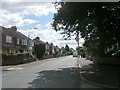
x,y
39,50
4,53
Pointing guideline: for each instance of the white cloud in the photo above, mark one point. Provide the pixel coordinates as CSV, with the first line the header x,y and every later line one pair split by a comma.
x,y
11,19
26,22
48,24
40,9
12,13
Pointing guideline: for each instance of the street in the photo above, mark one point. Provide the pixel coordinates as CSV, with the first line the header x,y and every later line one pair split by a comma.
x,y
59,44
50,73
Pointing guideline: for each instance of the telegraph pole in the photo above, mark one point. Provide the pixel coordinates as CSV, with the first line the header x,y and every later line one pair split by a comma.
x,y
77,39
28,41
78,58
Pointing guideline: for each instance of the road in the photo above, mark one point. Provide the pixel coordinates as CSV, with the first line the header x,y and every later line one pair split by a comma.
x,y
50,73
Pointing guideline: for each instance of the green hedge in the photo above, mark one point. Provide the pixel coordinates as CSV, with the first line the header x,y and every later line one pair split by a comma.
x,y
17,58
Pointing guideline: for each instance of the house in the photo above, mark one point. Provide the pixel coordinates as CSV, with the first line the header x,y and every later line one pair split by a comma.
x,y
37,41
56,49
14,41
52,49
47,49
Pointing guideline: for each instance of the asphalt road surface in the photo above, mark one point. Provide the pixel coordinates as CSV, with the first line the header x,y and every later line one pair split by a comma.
x,y
59,72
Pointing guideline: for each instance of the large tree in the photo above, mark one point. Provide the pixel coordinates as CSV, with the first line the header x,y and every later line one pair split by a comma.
x,y
98,23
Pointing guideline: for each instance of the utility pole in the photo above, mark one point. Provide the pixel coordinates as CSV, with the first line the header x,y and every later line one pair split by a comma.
x,y
29,44
78,58
28,41
77,39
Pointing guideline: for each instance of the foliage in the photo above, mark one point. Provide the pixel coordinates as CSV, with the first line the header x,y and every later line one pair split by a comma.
x,y
56,54
39,50
5,54
97,22
82,50
67,48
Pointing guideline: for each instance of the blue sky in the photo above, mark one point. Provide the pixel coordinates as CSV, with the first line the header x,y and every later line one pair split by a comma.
x,y
30,15
43,20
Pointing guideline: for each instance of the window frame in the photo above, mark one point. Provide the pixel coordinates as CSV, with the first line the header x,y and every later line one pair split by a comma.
x,y
24,42
8,39
18,41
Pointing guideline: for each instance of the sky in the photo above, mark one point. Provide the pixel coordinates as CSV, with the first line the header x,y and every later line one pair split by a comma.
x,y
33,19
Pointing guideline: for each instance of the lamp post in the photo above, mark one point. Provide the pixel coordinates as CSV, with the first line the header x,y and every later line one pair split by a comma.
x,y
78,58
77,39
28,41
28,45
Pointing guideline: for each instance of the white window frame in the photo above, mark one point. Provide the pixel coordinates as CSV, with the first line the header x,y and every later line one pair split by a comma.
x,y
8,39
24,42
18,41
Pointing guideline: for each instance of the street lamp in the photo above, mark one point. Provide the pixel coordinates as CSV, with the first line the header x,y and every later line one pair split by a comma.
x,y
77,39
30,44
78,59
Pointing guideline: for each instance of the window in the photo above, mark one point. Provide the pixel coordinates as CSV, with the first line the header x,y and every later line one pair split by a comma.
x,y
18,41
8,39
24,42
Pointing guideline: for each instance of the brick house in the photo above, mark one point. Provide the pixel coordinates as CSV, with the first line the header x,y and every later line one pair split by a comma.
x,y
56,49
47,49
38,41
14,41
51,51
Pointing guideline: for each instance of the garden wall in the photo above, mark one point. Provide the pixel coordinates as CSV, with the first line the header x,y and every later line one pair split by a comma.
x,y
18,59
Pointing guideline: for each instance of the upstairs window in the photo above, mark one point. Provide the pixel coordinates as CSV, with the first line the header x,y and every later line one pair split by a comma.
x,y
24,42
8,39
18,41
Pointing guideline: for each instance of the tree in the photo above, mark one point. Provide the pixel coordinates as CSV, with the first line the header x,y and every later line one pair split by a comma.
x,y
67,48
39,50
98,24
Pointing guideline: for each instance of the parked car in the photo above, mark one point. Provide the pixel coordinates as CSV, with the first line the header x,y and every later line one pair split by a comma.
x,y
117,54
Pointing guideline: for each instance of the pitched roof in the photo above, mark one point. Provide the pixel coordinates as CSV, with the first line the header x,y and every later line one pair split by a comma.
x,y
9,31
38,40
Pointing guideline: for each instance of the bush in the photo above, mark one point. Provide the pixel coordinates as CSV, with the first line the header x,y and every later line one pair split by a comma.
x,y
39,50
4,53
56,54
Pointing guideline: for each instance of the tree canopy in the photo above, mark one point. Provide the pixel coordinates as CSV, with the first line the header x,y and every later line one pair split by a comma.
x,y
97,22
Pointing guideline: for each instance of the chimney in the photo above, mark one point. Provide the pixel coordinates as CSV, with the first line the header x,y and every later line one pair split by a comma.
x,y
37,38
14,28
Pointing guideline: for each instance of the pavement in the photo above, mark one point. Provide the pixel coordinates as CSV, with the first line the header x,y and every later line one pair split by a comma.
x,y
101,75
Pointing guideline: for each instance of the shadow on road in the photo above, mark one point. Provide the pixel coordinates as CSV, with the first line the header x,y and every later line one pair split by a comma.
x,y
61,78
102,74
